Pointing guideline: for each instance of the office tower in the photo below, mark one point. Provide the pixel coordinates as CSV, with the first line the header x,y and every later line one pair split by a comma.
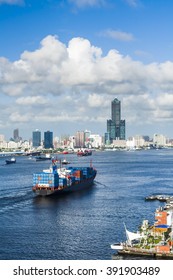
x,y
116,111
116,126
80,139
48,139
36,138
16,135
122,130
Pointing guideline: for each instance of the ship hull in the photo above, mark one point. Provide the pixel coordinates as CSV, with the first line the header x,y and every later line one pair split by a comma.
x,y
75,187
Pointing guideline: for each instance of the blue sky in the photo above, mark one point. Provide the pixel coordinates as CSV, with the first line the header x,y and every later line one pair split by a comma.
x,y
62,62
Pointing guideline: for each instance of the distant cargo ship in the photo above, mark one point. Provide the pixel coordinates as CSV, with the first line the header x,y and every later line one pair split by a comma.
x,y
58,180
83,153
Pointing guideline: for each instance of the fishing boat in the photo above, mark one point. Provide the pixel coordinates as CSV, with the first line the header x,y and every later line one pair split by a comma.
x,y
11,160
60,180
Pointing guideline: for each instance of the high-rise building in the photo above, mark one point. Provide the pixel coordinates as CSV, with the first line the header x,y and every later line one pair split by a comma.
x,y
36,138
80,139
48,140
116,126
16,135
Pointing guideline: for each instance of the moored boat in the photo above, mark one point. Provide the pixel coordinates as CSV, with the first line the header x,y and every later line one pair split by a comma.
x,y
59,180
43,157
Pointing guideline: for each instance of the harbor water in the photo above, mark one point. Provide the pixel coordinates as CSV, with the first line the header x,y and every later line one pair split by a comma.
x,y
80,225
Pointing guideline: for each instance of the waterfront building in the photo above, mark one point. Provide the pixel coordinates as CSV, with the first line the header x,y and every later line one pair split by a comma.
x,y
137,141
80,139
107,138
2,138
159,140
71,142
119,144
12,145
48,140
94,141
116,126
86,135
25,145
122,130
36,138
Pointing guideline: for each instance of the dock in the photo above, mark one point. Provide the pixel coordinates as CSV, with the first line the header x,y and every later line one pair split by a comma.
x,y
146,252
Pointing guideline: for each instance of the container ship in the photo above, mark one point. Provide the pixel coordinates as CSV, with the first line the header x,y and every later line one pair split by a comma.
x,y
60,180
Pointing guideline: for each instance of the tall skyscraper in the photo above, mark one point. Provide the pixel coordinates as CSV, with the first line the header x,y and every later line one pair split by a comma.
x,y
36,138
116,126
48,139
16,135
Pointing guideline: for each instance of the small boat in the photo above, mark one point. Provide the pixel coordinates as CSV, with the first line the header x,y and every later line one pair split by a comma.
x,y
151,197
83,153
64,161
117,246
44,157
12,160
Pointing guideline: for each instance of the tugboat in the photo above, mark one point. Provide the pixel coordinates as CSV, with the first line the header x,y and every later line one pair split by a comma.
x,y
59,180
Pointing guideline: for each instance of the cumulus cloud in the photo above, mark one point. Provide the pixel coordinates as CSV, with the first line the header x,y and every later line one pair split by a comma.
x,y
75,83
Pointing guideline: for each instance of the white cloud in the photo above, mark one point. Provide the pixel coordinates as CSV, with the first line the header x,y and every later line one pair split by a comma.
x,y
31,100
118,35
76,83
84,3
97,101
12,2
132,3
20,118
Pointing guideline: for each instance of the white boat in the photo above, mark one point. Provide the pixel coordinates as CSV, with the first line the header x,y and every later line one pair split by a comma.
x,y
117,246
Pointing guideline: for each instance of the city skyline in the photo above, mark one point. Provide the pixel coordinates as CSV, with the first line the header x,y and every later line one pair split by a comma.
x,y
61,65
